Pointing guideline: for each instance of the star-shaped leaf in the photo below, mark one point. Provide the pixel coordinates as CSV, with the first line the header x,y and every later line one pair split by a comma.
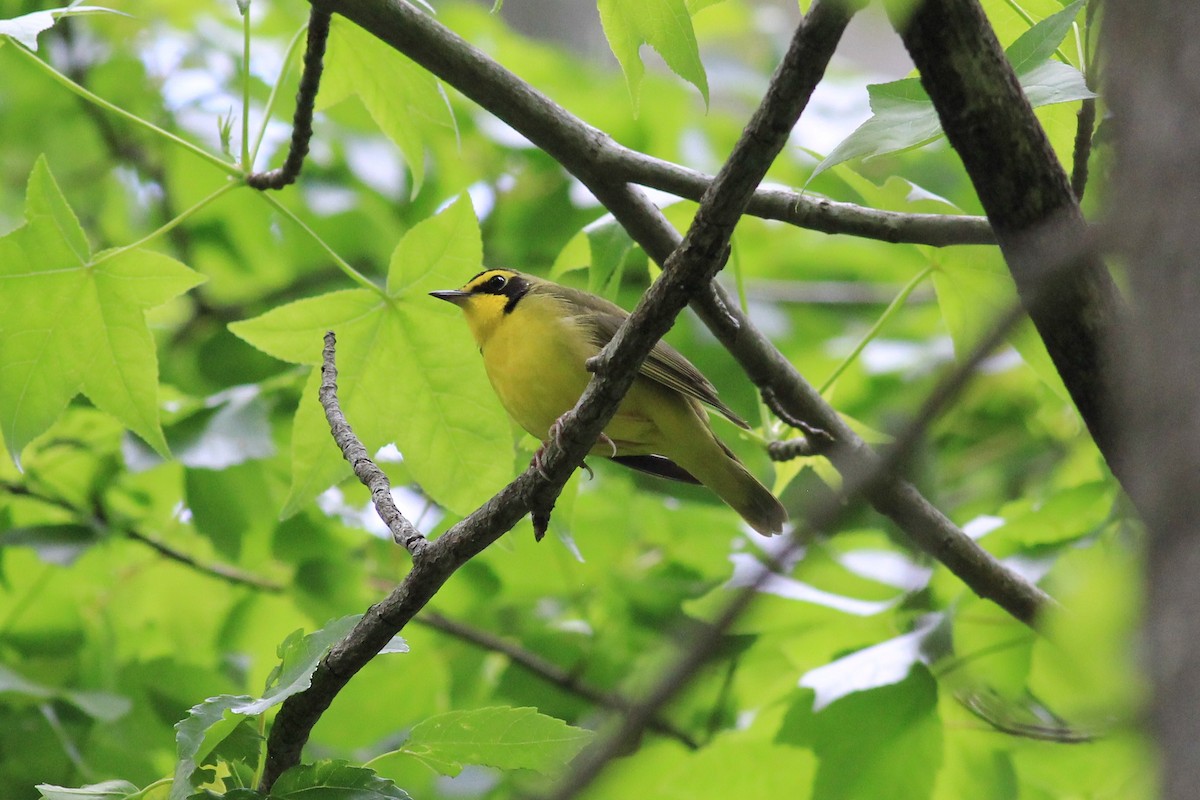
x,y
407,372
74,321
665,25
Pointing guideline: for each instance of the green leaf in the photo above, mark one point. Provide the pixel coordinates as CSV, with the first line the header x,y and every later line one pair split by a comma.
x,y
406,101
974,288
665,25
606,247
886,742
96,791
408,372
25,29
102,706
206,725
1064,517
502,737
1037,44
903,116
76,321
334,780
298,658
1055,82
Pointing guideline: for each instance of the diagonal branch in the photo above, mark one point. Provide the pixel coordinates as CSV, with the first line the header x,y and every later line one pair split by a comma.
x,y
403,533
687,273
583,150
1025,192
306,96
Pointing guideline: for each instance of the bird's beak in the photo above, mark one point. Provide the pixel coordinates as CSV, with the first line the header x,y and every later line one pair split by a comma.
x,y
455,296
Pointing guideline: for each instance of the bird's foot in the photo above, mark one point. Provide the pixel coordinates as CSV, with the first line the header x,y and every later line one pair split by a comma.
x,y
555,435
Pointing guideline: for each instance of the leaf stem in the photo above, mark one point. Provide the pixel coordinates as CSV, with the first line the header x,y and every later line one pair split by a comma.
x,y
196,150
167,226
887,314
341,263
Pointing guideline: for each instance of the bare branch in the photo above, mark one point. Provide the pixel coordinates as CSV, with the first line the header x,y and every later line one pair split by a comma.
x,y
547,671
1153,76
1026,194
802,209
690,271
225,572
97,520
306,96
403,533
578,146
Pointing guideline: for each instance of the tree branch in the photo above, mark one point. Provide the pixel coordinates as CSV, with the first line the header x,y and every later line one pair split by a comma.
x,y
573,143
1153,76
306,96
802,209
580,149
224,572
1026,194
547,671
403,532
687,272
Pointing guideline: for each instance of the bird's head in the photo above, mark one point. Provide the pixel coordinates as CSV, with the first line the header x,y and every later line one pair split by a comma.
x,y
487,298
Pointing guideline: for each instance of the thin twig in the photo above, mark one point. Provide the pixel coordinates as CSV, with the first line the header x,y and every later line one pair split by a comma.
x,y
802,209
578,147
223,571
306,96
1085,125
99,521
791,448
403,532
687,272
547,671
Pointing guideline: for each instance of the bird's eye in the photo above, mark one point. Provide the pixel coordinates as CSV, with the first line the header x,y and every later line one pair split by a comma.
x,y
496,283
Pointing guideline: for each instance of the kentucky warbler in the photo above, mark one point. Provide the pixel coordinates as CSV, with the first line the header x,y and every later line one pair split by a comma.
x,y
535,337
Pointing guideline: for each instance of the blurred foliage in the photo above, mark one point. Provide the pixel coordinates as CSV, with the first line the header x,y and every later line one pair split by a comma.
x,y
172,519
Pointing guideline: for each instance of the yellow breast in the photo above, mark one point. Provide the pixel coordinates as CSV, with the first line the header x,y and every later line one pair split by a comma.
x,y
534,357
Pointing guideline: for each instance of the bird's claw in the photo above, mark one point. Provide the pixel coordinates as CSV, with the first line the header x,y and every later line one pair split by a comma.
x,y
555,435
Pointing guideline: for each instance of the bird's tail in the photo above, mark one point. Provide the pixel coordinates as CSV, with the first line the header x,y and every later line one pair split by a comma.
x,y
721,471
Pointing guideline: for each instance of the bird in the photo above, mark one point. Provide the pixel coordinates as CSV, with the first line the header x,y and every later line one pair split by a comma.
x,y
536,336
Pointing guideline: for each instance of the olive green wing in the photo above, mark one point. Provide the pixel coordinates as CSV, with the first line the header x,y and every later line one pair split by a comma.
x,y
665,364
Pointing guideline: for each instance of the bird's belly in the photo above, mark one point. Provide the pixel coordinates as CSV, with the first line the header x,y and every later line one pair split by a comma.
x,y
540,375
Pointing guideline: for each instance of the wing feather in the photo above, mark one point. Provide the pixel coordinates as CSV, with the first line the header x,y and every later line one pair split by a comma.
x,y
664,365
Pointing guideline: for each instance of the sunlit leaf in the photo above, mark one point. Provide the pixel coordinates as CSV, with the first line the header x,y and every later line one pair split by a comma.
x,y
506,738
75,321
25,29
405,101
1037,44
408,372
106,790
665,25
334,779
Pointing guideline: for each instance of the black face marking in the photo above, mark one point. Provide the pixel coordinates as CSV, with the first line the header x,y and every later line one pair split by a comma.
x,y
514,287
